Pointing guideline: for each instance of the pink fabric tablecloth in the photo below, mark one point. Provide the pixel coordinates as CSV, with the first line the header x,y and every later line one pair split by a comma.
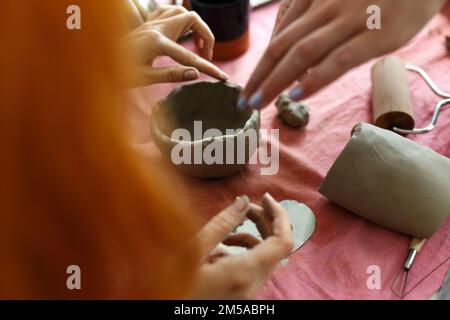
x,y
333,264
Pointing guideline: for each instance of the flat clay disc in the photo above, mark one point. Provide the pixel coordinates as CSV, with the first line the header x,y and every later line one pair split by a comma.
x,y
303,222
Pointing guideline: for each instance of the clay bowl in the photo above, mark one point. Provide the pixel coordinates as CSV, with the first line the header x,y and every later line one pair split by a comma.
x,y
199,129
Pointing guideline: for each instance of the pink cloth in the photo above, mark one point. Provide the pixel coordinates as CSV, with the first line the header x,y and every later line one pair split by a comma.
x,y
333,264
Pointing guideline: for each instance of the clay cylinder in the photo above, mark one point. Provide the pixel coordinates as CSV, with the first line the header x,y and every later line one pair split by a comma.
x,y
391,98
392,181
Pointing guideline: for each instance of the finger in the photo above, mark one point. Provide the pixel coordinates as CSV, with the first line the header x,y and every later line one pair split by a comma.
x,y
168,74
262,220
281,226
220,227
199,42
134,17
282,10
172,11
155,13
278,246
161,9
292,12
188,58
350,55
219,252
245,240
201,30
303,55
279,47
142,10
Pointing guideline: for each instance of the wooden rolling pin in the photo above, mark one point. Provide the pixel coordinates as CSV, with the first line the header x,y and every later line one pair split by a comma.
x,y
391,98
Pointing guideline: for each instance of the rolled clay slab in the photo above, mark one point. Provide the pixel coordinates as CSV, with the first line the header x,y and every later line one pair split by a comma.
x,y
392,181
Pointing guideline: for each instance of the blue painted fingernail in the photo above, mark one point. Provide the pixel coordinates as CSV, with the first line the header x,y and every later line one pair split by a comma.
x,y
242,103
296,93
256,100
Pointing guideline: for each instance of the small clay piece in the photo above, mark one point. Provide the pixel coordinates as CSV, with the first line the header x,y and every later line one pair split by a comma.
x,y
292,113
199,129
303,224
391,180
447,42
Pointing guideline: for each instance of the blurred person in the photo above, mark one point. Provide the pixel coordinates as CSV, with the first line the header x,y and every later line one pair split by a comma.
x,y
72,190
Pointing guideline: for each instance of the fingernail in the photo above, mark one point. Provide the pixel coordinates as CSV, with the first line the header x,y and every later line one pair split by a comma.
x,y
267,196
191,75
242,103
241,203
256,100
267,200
296,93
224,76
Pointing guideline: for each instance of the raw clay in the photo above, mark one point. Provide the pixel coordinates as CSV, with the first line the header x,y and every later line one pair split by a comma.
x,y
214,104
292,113
303,222
392,181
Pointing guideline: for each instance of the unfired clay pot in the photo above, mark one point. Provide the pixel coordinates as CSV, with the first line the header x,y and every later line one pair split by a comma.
x,y
214,104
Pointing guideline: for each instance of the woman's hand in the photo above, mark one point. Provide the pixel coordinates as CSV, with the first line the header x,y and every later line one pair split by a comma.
x,y
223,276
317,41
158,36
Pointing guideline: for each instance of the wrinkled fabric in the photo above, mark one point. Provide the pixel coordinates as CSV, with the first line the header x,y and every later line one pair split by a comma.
x,y
335,262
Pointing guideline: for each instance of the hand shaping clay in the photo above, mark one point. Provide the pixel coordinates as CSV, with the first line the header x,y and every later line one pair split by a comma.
x,y
292,113
303,222
392,181
202,122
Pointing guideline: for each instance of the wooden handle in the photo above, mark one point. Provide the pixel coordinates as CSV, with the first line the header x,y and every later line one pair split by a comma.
x,y
391,99
417,244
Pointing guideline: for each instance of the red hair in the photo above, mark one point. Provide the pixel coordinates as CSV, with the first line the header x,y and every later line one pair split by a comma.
x,y
72,191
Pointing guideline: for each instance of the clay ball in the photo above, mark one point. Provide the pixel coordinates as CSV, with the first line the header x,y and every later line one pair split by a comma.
x,y
292,113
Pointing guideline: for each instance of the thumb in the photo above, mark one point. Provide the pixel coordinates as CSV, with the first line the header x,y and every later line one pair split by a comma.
x,y
169,74
220,227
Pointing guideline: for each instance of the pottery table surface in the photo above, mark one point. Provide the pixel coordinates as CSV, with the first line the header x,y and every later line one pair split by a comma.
x,y
338,260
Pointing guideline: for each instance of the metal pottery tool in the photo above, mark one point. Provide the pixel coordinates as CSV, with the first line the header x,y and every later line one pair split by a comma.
x,y
392,110
392,106
441,104
399,284
393,182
